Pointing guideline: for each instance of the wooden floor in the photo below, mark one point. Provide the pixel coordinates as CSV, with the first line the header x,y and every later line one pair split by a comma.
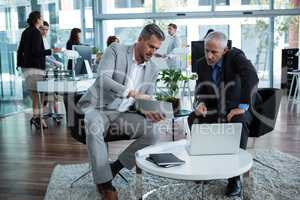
x,y
27,158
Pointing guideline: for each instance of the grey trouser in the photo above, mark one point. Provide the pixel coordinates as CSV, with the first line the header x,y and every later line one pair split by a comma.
x,y
133,125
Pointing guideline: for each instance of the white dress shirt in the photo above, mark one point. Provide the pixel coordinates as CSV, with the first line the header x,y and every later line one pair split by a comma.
x,y
133,81
50,60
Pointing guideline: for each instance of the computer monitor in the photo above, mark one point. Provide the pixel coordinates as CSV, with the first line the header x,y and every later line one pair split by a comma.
x,y
85,53
198,52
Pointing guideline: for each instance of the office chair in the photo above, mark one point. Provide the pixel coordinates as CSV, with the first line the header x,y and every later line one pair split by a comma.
x,y
78,133
264,110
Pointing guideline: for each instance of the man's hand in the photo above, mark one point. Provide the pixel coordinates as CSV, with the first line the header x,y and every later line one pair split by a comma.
x,y
138,95
132,93
201,110
142,96
234,112
154,116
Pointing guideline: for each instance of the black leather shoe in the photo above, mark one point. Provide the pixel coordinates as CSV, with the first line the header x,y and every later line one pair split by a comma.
x,y
234,187
107,192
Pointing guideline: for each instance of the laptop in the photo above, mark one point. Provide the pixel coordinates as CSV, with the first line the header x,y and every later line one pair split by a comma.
x,y
162,107
213,139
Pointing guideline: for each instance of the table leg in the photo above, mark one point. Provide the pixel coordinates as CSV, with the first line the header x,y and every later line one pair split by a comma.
x,y
173,127
40,112
296,91
202,185
190,94
138,184
291,87
247,189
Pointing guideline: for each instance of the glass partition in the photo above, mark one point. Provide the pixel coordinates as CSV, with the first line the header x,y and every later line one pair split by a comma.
x,y
182,5
62,15
243,5
126,30
126,6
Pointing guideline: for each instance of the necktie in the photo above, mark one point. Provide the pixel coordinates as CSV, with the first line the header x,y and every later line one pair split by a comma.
x,y
216,74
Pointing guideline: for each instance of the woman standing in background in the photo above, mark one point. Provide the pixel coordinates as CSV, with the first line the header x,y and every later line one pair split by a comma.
x,y
31,58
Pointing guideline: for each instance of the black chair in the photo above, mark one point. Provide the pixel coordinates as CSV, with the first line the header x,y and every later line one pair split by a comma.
x,y
264,110
78,133
78,129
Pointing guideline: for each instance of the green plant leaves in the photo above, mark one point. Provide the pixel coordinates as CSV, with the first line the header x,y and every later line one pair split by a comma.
x,y
171,78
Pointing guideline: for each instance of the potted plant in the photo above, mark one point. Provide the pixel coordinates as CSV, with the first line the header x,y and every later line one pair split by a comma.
x,y
171,79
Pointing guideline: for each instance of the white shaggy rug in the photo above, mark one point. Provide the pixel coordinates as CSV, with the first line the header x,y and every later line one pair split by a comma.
x,y
276,176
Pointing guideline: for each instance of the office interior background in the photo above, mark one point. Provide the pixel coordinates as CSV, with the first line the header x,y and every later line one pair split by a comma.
x,y
260,28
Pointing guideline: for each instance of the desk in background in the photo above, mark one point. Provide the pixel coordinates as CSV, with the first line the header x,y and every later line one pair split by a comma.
x,y
69,88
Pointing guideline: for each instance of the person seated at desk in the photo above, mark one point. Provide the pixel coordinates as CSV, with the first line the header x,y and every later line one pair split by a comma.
x,y
125,73
73,40
226,81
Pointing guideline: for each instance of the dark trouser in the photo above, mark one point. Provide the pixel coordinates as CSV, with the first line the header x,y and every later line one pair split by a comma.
x,y
245,119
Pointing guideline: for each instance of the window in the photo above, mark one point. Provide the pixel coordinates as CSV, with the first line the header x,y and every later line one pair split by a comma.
x,y
203,29
126,30
255,43
127,35
53,18
243,5
76,4
62,15
88,3
209,2
126,6
286,35
181,30
129,3
182,5
22,16
286,4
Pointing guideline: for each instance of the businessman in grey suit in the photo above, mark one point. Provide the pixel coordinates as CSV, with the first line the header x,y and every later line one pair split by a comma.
x,y
125,73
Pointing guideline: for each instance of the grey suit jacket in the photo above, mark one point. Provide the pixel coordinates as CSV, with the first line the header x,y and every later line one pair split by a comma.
x,y
113,71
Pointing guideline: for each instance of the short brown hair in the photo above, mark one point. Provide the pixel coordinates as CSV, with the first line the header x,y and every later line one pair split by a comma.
x,y
173,25
152,29
45,24
111,39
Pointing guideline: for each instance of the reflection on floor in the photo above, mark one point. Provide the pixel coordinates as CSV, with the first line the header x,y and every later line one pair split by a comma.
x,y
13,107
13,98
27,158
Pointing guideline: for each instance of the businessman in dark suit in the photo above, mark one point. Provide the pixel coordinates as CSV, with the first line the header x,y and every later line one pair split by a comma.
x,y
226,82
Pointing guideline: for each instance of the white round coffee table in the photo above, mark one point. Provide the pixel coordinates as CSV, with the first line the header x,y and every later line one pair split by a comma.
x,y
207,167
